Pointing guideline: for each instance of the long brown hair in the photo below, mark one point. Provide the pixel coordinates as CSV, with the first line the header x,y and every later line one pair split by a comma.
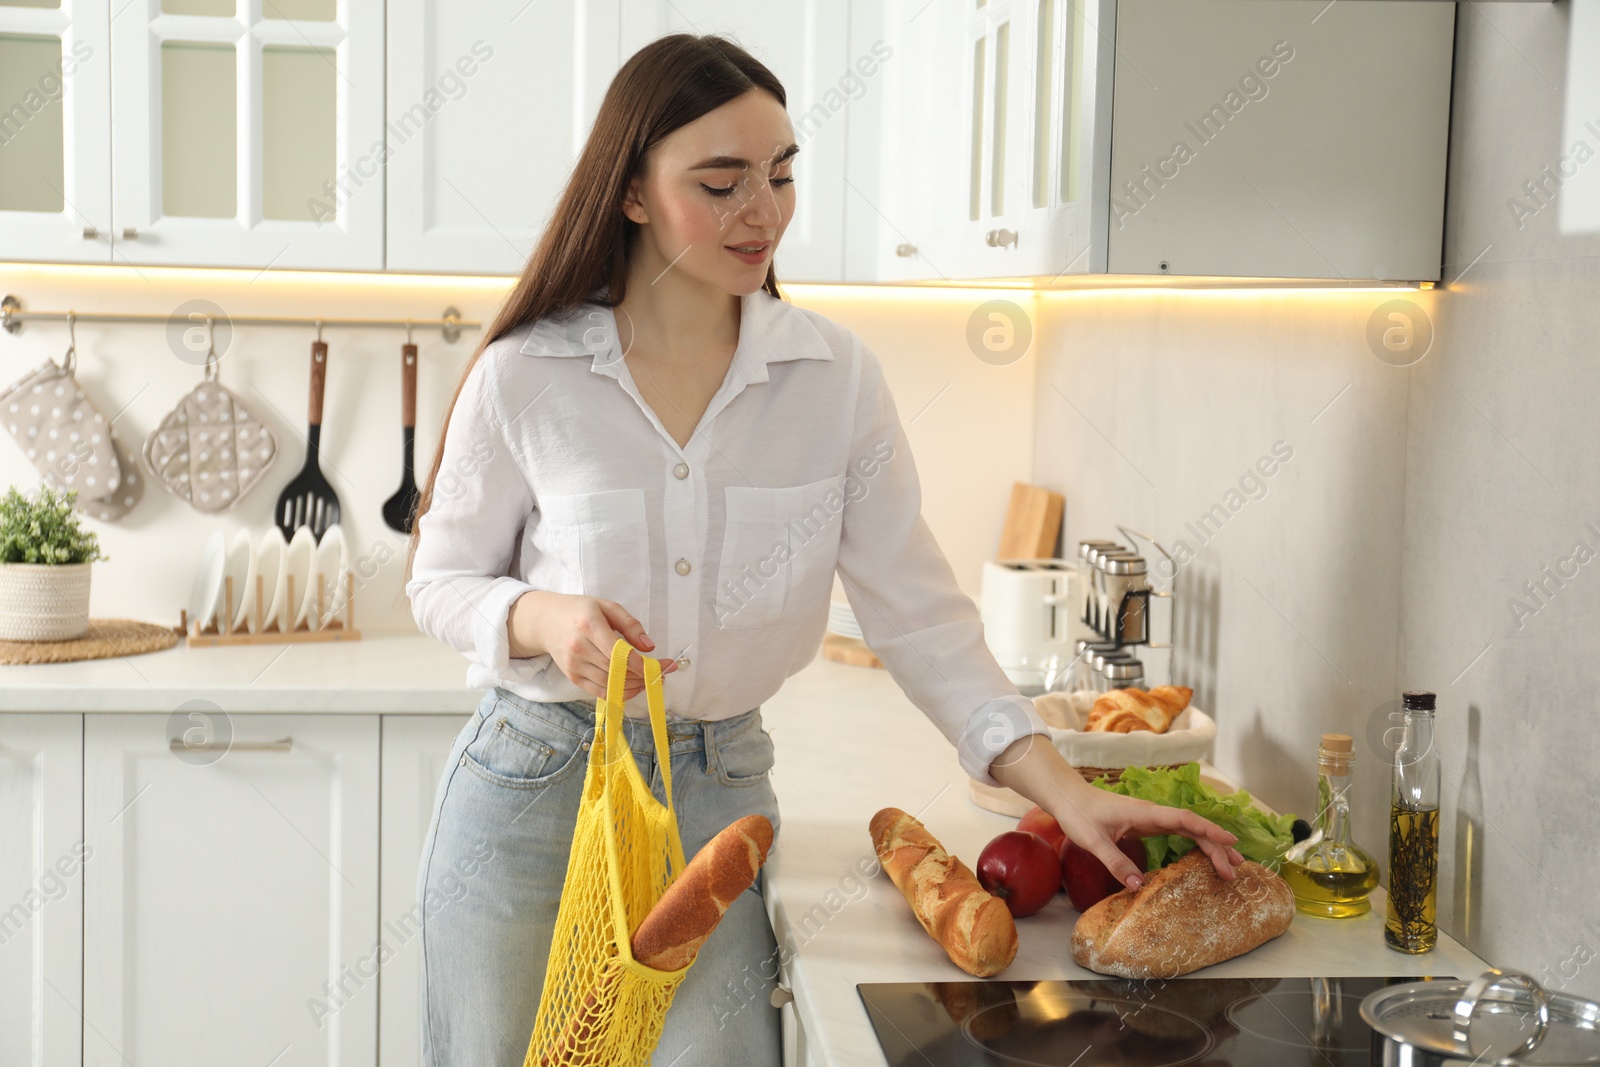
x,y
667,84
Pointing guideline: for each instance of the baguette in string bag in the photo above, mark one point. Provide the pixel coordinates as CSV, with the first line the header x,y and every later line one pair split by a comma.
x,y
672,934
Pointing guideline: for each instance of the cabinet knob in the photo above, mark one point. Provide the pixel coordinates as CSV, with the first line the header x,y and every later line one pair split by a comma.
x,y
905,250
781,995
1000,238
130,233
90,233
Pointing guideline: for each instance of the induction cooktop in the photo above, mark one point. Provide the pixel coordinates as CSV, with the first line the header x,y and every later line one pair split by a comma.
x,y
1212,1022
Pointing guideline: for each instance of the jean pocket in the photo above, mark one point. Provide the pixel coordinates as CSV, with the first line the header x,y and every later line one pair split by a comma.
x,y
745,758
508,752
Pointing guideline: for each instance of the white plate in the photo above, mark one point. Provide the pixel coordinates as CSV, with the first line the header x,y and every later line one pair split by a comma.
x,y
241,568
301,568
333,559
842,620
270,566
207,588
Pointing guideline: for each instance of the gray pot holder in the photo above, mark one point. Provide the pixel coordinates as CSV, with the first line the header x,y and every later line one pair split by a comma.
x,y
210,450
69,440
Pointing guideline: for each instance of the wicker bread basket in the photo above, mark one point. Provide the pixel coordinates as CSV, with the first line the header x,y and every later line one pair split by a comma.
x,y
1095,755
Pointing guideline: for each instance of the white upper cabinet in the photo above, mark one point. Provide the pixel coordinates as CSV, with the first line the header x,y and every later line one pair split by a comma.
x,y
489,105
249,134
55,132
1224,138
992,131
807,45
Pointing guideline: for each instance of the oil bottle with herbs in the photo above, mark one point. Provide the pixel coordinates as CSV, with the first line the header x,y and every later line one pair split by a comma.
x,y
1414,830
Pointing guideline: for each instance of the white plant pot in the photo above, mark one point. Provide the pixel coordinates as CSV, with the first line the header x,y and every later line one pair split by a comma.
x,y
44,601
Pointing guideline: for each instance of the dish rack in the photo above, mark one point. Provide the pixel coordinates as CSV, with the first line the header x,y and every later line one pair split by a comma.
x,y
340,627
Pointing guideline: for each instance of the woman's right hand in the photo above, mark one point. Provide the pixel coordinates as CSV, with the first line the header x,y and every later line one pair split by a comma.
x,y
578,633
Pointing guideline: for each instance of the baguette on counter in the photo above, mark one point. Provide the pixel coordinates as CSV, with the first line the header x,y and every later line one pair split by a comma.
x,y
1183,918
973,926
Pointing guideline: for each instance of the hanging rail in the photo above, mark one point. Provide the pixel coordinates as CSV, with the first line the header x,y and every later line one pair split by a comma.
x,y
449,325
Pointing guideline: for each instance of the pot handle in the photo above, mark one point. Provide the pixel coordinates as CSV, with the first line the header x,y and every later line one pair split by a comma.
x,y
1479,987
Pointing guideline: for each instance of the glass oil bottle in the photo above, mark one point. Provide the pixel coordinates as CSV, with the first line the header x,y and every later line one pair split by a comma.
x,y
1414,831
1331,876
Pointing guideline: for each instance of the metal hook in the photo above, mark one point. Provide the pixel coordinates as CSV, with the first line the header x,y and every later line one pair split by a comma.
x,y
408,330
211,350
319,330
70,361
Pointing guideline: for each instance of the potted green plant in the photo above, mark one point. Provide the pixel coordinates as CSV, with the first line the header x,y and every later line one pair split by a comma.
x,y
44,566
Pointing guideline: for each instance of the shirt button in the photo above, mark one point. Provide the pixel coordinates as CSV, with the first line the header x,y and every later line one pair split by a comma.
x,y
681,471
682,566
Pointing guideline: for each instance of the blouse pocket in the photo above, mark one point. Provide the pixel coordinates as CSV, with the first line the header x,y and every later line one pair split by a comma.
x,y
603,539
779,552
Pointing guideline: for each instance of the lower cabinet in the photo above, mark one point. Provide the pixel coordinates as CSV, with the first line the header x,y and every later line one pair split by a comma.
x,y
212,888
42,865
209,888
231,908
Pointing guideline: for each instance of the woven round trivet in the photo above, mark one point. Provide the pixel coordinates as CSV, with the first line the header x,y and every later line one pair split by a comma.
x,y
106,638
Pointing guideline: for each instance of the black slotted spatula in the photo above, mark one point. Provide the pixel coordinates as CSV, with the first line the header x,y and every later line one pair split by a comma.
x,y
400,510
309,500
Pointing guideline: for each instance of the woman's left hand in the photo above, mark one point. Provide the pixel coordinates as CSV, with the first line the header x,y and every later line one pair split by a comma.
x,y
1094,818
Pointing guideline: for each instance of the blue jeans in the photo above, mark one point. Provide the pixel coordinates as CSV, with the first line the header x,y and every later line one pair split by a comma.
x,y
496,856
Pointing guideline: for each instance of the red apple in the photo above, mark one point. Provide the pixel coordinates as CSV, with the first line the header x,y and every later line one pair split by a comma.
x,y
1087,880
1041,822
1020,869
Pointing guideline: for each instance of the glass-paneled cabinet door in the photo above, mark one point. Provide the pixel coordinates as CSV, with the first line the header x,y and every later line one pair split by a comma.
x,y
55,131
489,105
1057,202
249,133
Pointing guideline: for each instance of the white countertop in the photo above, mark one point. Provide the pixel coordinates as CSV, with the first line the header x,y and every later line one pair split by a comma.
x,y
382,672
849,743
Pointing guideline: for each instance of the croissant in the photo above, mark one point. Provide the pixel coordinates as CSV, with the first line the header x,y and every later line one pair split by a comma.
x,y
1124,710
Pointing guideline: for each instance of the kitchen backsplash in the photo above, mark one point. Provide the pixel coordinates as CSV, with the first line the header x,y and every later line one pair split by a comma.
x,y
970,422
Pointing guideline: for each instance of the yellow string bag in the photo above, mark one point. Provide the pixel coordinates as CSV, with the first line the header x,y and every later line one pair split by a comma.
x,y
600,1006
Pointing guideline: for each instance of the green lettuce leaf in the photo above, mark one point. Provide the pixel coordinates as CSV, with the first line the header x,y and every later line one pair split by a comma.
x,y
1262,838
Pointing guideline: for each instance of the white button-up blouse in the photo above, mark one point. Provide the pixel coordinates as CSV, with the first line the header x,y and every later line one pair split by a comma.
x,y
558,476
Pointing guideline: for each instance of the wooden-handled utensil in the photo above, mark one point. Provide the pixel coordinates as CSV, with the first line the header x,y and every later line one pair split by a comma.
x,y
400,510
309,500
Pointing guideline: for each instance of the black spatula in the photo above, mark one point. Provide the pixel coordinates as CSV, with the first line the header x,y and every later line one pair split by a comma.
x,y
400,510
309,500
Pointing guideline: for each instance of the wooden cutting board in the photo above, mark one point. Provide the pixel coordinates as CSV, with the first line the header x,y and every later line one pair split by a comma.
x,y
1033,523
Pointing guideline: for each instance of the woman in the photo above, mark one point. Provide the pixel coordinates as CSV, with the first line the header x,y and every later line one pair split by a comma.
x,y
650,435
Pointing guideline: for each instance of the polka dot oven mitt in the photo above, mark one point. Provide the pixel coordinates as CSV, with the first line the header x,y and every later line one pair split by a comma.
x,y
210,450
70,441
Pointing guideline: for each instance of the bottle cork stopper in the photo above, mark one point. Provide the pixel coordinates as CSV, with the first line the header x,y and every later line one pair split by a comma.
x,y
1337,742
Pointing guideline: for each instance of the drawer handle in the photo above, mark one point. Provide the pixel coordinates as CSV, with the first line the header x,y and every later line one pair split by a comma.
x,y
781,995
282,745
